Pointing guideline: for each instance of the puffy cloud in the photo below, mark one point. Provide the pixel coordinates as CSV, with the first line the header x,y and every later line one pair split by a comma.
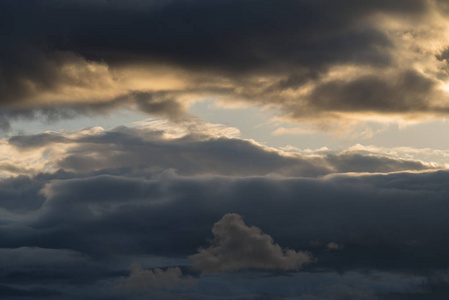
x,y
334,246
140,278
239,247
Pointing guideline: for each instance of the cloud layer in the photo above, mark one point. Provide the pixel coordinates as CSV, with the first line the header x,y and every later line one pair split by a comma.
x,y
98,225
187,149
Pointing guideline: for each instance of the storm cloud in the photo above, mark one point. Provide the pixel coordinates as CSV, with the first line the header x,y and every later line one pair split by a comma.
x,y
269,53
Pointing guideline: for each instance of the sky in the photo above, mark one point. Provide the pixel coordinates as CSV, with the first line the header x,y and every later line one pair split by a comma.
x,y
224,149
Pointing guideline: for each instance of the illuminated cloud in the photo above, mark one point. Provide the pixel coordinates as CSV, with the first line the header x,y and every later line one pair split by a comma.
x,y
152,147
313,62
239,247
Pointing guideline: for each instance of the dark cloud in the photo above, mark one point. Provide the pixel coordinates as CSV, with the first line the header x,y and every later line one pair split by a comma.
x,y
392,223
38,257
159,104
15,293
221,48
20,194
367,215
233,35
342,292
408,92
36,141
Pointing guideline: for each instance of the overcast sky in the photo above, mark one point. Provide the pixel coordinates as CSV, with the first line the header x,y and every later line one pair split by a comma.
x,y
224,149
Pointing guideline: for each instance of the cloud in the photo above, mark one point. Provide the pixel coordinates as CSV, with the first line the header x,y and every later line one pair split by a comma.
x,y
394,223
409,90
334,246
188,148
239,247
77,207
140,278
376,216
32,257
8,291
314,62
339,292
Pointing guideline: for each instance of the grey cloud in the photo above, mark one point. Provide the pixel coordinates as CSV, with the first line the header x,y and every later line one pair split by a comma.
x,y
366,162
140,278
29,70
224,156
239,247
342,292
158,104
32,257
409,91
36,141
21,194
145,152
20,293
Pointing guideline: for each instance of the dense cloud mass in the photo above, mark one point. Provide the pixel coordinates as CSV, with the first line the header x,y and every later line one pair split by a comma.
x,y
81,207
393,223
313,60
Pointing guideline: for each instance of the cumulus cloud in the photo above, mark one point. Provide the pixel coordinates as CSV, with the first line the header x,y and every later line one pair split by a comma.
x,y
140,278
239,247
